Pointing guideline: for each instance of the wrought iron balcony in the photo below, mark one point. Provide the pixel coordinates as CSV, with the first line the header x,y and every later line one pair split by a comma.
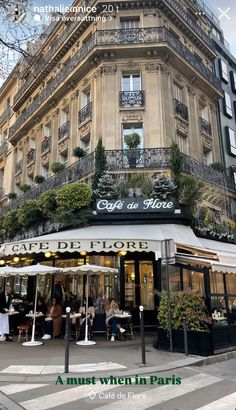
x,y
149,36
46,144
30,157
5,115
180,109
19,166
176,7
64,130
205,126
85,113
3,148
156,158
204,172
131,98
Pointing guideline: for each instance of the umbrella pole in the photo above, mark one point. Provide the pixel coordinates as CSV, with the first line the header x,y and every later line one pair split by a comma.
x,y
86,312
33,342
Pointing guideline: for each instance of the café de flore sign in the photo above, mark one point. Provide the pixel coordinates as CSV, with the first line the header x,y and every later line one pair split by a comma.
x,y
137,205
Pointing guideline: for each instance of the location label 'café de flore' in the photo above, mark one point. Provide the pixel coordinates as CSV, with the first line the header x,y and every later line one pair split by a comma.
x,y
127,234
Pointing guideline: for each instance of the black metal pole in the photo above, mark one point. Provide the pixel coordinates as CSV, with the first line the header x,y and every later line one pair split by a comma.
x,y
168,295
142,335
67,340
185,337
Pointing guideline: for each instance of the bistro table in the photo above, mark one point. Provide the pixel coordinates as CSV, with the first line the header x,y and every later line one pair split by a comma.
x,y
127,324
37,315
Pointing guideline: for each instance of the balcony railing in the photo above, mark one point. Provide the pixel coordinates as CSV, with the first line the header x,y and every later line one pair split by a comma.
x,y
65,36
149,36
46,144
131,98
205,126
176,6
85,113
180,109
19,166
157,159
3,148
64,130
5,115
30,157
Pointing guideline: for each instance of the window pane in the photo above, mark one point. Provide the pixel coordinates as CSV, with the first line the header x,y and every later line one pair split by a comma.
x,y
217,282
178,94
174,275
146,284
231,283
193,280
130,301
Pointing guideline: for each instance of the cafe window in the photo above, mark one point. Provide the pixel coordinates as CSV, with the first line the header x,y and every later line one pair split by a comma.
x,y
217,282
130,300
174,276
193,280
146,284
231,283
218,303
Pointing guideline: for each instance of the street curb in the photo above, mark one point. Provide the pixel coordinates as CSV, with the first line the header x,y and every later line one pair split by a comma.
x,y
216,358
9,404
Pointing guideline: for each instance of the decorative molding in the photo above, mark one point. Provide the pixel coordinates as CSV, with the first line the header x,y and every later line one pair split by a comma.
x,y
152,67
63,144
191,91
132,116
207,142
163,69
181,127
45,158
30,169
85,130
109,69
150,13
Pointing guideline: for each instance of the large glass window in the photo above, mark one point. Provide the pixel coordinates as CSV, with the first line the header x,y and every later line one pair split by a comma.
x,y
217,282
223,71
129,22
146,284
178,92
174,277
193,280
182,143
230,134
130,300
227,105
130,129
131,82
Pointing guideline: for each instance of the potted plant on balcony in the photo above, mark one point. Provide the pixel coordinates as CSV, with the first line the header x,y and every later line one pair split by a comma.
x,y
79,152
57,167
38,179
12,195
132,140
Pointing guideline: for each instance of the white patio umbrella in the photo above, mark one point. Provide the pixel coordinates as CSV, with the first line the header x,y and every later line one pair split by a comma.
x,y
89,270
32,270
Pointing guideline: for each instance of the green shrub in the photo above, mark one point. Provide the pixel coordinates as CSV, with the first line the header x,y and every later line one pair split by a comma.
x,y
190,191
29,213
12,195
10,224
57,167
79,152
132,140
187,305
47,202
218,166
74,196
39,179
24,187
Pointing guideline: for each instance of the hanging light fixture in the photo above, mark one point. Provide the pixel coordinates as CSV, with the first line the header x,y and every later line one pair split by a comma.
x,y
48,254
16,259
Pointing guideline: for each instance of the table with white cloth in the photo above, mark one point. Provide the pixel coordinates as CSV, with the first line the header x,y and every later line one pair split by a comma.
x,y
39,316
125,320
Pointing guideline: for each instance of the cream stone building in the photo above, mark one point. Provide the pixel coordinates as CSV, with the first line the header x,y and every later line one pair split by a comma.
x,y
146,67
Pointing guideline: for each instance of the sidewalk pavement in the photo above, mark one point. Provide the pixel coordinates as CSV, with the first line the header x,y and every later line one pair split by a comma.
x,y
126,354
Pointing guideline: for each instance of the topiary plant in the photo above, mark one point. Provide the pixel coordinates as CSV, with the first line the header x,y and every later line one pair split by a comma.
x,y
73,196
47,202
57,167
24,187
10,224
132,140
29,213
79,152
12,195
39,179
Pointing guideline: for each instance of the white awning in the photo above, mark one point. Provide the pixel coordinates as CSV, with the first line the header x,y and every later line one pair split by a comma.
x,y
226,253
106,238
216,266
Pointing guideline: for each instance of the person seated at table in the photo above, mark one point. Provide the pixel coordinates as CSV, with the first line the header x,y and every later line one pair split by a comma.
x,y
71,301
91,316
111,320
53,320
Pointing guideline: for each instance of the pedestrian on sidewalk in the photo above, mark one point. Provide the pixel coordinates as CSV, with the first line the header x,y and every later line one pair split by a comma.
x,y
5,301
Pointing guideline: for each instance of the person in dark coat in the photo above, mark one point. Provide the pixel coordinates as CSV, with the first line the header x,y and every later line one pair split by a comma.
x,y
5,301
